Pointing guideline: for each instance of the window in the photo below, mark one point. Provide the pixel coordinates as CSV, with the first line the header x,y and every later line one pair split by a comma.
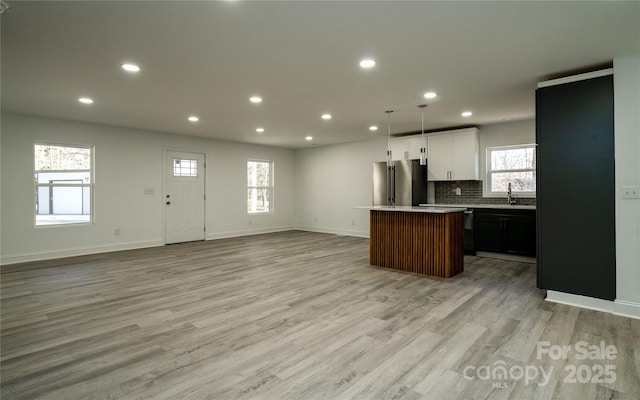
x,y
63,183
183,167
259,186
511,164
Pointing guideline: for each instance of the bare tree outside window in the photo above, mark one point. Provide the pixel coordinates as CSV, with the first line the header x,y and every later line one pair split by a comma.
x,y
259,186
513,164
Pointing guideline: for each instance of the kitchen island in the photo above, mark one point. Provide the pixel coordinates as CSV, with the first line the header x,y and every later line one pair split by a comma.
x,y
423,240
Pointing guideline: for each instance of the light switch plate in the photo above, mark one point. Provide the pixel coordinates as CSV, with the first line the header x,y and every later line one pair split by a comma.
x,y
631,192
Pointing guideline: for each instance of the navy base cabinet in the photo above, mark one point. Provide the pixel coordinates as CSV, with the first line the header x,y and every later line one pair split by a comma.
x,y
506,231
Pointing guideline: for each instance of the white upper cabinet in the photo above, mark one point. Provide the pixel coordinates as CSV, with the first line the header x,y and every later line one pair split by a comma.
x,y
398,149
439,157
407,148
414,145
453,156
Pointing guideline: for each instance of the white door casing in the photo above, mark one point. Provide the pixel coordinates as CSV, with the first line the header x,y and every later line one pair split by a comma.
x,y
184,196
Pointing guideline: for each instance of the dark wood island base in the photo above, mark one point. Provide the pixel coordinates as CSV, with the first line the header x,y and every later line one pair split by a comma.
x,y
420,242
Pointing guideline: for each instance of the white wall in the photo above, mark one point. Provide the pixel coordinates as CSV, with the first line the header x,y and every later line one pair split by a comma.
x,y
506,134
126,162
331,180
627,153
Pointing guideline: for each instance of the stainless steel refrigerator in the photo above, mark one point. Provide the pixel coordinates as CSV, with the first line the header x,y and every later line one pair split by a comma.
x,y
402,184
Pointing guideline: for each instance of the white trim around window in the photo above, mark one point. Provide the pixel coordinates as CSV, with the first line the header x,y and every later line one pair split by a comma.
x,y
63,184
515,164
260,187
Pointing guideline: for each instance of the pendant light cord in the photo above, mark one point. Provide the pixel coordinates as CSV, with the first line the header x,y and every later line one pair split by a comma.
x,y
423,150
422,107
389,129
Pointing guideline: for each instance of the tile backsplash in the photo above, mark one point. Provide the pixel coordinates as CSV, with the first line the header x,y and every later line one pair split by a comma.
x,y
471,193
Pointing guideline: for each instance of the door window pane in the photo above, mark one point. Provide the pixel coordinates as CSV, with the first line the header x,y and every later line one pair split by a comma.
x,y
182,167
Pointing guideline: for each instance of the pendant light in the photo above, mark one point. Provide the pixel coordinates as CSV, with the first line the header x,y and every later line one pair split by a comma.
x,y
389,159
423,151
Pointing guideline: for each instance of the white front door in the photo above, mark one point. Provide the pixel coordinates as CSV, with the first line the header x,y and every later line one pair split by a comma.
x,y
184,197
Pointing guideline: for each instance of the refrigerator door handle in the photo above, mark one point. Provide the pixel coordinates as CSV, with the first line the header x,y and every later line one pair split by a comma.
x,y
393,185
388,186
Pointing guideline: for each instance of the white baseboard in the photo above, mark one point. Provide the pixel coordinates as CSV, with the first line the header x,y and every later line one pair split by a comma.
x,y
81,251
618,307
344,232
248,232
627,309
580,301
77,251
508,257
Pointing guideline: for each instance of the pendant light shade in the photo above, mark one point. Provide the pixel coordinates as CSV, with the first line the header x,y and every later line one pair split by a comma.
x,y
389,157
423,150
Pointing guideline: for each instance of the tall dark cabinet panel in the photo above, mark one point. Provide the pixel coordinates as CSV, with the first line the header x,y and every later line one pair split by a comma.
x,y
575,188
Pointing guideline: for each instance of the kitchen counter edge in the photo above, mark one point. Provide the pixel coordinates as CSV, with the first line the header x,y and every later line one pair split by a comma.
x,y
429,210
495,206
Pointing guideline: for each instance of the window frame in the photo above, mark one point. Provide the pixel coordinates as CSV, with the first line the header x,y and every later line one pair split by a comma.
x,y
487,192
91,185
271,187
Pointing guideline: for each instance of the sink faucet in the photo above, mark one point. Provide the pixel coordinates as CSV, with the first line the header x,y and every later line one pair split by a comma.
x,y
510,199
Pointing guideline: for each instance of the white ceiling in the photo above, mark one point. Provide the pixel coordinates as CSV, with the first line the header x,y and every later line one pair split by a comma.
x,y
208,57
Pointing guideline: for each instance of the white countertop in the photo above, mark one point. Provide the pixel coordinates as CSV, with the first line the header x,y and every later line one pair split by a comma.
x,y
430,210
496,206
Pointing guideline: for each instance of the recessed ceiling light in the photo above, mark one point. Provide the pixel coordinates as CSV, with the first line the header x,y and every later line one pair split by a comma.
x,y
367,63
430,95
255,99
193,118
467,114
130,68
308,138
85,100
326,116
259,130
373,128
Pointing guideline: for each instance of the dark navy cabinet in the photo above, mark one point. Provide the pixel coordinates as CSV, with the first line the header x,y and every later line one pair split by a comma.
x,y
575,187
506,231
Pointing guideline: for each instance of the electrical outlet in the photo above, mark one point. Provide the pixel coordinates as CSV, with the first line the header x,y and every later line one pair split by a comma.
x,y
631,192
116,232
458,191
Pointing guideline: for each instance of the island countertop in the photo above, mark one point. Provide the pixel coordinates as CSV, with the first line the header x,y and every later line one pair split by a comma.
x,y
428,210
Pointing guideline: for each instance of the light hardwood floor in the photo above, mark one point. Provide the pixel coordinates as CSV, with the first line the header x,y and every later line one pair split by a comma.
x,y
292,315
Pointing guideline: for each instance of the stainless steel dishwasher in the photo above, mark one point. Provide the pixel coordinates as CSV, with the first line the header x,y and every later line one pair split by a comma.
x,y
469,238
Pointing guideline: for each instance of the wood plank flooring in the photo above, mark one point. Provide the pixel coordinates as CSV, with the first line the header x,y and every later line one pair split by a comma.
x,y
292,315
